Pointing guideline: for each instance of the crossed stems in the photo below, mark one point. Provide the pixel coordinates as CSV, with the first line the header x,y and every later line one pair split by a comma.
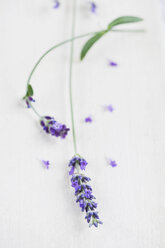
x,y
71,63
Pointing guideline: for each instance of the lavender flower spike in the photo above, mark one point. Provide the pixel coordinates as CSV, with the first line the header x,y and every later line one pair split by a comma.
x,y
53,127
83,190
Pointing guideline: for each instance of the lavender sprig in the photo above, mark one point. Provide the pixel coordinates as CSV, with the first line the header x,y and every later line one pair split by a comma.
x,y
83,190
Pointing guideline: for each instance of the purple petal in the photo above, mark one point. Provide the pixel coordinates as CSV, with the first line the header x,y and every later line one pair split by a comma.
x,y
95,224
31,99
56,4
110,108
113,64
46,163
48,118
72,170
42,123
27,103
83,164
113,163
93,7
88,119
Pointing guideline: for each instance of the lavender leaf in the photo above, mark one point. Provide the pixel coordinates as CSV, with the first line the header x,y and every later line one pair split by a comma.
x,y
90,43
29,90
97,36
124,20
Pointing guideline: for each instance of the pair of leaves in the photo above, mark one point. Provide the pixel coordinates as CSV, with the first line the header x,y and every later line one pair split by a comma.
x,y
97,36
29,91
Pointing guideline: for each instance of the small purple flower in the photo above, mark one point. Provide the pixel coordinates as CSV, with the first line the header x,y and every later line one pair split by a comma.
x,y
112,63
93,7
110,108
112,163
71,172
88,194
88,119
28,101
83,190
74,184
56,4
83,164
53,127
46,163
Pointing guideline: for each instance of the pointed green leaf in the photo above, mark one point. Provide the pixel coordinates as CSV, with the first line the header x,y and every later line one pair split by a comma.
x,y
124,20
96,37
29,90
90,43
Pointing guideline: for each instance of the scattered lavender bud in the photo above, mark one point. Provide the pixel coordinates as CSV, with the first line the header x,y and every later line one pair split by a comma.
x,y
46,163
88,119
93,7
56,4
112,163
83,190
53,127
112,63
110,108
29,99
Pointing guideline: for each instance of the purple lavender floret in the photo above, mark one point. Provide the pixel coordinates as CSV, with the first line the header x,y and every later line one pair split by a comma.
x,y
46,163
28,100
77,162
88,119
113,163
113,64
56,4
83,190
110,108
53,127
93,7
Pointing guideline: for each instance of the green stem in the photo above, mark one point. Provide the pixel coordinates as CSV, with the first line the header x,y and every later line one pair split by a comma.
x,y
70,75
70,40
41,58
34,110
62,43
51,49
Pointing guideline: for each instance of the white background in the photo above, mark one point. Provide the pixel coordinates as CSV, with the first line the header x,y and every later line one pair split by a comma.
x,y
37,206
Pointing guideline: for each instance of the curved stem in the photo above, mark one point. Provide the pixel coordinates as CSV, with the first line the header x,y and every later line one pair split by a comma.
x,y
62,43
70,40
70,75
54,47
34,110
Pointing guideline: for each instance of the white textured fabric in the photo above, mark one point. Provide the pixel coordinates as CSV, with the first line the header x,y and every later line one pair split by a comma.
x,y
38,208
